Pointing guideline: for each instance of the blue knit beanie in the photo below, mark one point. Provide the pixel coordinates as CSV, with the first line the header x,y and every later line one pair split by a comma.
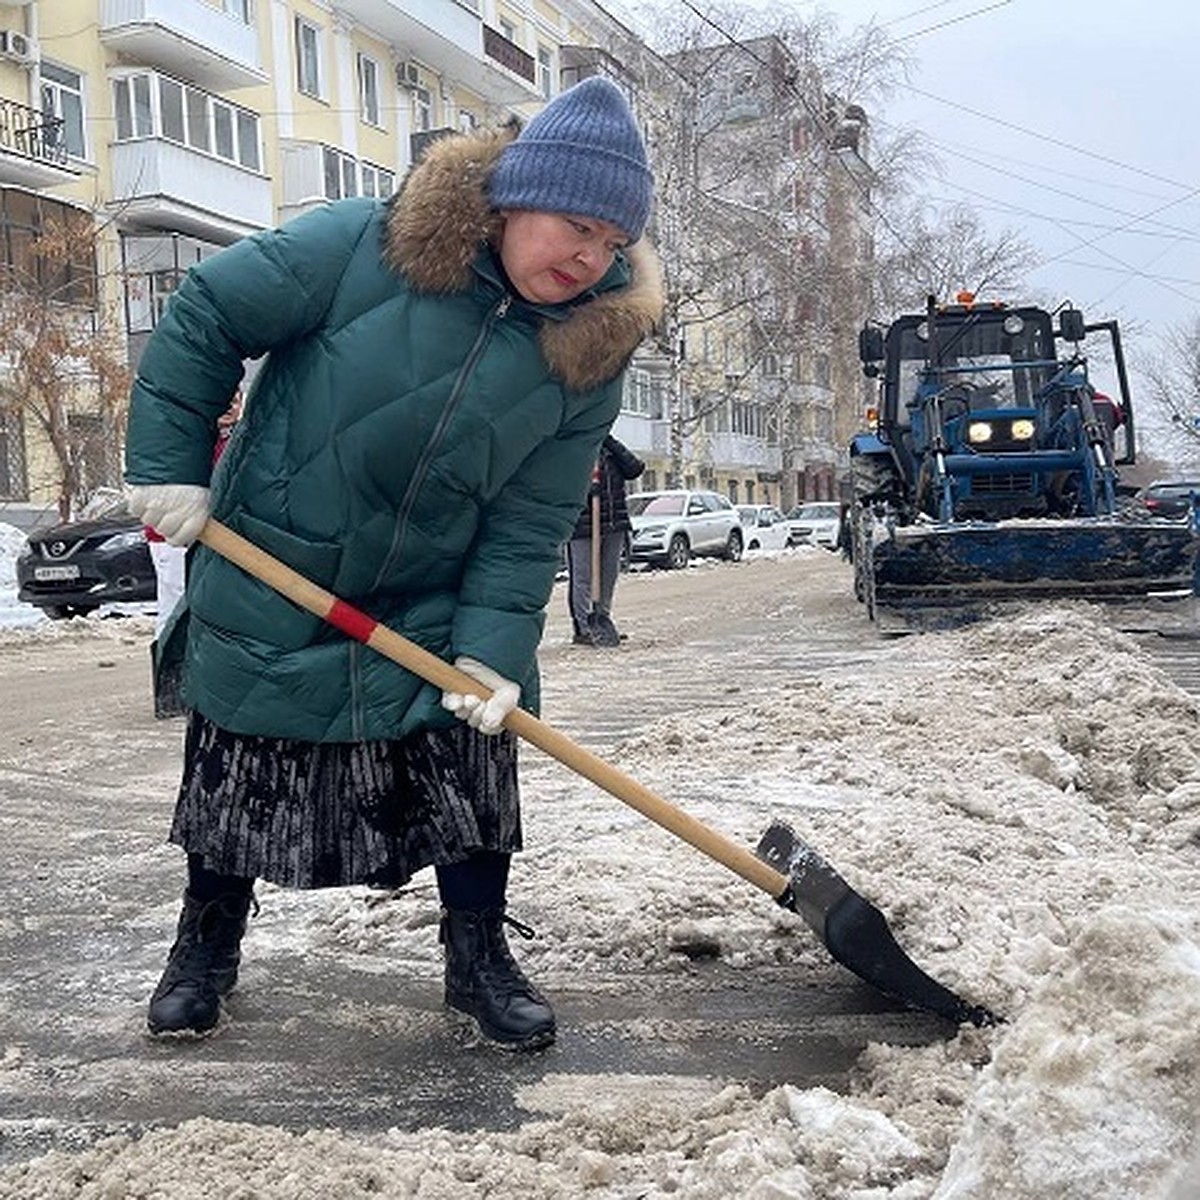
x,y
581,154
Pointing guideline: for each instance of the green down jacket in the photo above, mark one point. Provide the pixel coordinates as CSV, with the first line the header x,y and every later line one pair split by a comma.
x,y
418,442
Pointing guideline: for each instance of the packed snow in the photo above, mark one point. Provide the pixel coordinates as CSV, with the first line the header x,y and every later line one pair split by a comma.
x,y
1021,797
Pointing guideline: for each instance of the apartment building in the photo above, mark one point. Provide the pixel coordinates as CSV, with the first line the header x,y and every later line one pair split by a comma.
x,y
179,126
182,125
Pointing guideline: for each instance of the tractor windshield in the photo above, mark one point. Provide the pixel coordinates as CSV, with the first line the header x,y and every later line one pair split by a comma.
x,y
986,360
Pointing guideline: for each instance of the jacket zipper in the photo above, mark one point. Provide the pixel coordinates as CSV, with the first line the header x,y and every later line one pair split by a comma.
x,y
431,446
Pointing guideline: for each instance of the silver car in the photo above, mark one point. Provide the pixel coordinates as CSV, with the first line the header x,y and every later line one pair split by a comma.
x,y
670,527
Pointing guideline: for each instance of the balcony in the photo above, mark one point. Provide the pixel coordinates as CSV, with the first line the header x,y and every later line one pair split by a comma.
x,y
453,40
188,38
32,151
743,450
163,185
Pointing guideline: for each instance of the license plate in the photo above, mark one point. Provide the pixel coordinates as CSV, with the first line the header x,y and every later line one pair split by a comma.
x,y
51,574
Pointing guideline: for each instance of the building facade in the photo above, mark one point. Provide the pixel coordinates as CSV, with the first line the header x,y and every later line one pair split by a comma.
x,y
175,127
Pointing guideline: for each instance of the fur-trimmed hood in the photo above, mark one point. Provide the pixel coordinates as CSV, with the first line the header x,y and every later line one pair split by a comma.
x,y
440,219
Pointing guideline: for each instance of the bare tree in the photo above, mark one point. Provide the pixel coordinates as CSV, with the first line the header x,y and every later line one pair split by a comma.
x,y
939,252
766,177
66,377
1172,377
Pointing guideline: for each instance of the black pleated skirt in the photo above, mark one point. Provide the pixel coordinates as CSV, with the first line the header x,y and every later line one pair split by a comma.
x,y
306,814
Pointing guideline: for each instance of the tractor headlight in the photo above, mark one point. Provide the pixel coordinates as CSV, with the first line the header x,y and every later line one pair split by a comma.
x,y
1023,430
1013,324
979,432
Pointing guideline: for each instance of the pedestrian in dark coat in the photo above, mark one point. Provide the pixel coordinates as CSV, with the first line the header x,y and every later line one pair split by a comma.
x,y
440,372
592,620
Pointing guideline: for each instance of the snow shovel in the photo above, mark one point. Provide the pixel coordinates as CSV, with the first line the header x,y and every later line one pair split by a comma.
x,y
855,932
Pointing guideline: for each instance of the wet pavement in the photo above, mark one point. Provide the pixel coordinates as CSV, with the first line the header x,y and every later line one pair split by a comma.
x,y
314,1042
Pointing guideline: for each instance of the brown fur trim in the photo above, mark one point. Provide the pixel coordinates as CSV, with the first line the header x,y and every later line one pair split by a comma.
x,y
441,217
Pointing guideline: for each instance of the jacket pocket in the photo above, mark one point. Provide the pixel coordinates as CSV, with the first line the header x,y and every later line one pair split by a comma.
x,y
225,597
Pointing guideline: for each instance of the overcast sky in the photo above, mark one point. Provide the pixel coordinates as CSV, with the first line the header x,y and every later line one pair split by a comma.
x,y
1070,120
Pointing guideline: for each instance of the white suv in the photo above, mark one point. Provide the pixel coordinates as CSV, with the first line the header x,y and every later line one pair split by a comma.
x,y
670,527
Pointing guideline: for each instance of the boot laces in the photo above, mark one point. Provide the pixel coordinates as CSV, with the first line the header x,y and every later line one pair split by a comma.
x,y
498,965
200,942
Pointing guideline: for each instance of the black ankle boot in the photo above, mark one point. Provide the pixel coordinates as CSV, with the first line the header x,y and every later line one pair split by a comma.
x,y
484,981
202,966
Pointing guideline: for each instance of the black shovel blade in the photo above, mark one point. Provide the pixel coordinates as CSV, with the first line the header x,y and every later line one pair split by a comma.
x,y
854,931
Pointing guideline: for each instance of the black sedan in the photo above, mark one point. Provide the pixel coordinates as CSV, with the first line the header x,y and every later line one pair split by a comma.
x,y
1169,497
73,569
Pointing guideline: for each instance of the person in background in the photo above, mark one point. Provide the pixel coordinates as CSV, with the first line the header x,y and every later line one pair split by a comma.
x,y
591,617
441,369
169,573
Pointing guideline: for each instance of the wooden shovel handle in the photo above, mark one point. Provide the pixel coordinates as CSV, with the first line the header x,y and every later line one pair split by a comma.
x,y
358,625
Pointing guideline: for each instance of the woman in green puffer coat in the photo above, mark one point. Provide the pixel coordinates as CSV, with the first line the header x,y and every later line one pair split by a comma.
x,y
440,371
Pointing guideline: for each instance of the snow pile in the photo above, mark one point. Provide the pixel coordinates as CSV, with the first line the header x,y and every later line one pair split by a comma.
x,y
1021,798
12,612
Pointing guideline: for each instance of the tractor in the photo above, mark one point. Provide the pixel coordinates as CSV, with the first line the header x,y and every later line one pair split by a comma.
x,y
991,468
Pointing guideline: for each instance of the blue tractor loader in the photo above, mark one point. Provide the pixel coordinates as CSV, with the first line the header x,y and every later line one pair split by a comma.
x,y
991,471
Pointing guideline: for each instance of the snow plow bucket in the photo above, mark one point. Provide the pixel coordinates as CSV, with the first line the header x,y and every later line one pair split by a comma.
x,y
1094,558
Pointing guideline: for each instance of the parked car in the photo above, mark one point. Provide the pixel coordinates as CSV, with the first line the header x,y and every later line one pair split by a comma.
x,y
816,523
103,558
1169,497
764,527
670,527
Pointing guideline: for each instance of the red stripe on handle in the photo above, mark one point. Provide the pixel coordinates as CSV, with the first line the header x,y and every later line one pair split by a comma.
x,y
351,620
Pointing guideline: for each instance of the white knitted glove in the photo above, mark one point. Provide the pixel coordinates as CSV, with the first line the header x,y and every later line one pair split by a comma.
x,y
485,715
175,510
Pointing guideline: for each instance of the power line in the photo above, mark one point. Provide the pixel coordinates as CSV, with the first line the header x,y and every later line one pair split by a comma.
x,y
954,149
1044,137
1133,217
915,13
978,12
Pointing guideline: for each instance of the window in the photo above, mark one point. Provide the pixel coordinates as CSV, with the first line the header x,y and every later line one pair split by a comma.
x,y
545,70
644,393
62,98
342,174
171,98
422,110
185,115
14,482
131,99
821,369
508,29
23,217
153,266
247,125
467,121
368,90
240,9
197,118
308,58
376,181
92,450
